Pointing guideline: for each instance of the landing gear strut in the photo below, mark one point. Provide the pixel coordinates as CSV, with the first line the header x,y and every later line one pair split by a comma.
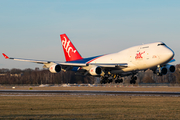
x,y
133,80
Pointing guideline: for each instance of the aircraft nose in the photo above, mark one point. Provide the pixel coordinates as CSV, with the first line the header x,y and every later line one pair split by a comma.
x,y
170,53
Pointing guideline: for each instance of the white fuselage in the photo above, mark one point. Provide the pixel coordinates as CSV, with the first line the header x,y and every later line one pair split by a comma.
x,y
139,57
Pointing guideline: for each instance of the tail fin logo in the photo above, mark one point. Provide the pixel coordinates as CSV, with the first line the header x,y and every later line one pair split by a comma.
x,y
70,51
67,47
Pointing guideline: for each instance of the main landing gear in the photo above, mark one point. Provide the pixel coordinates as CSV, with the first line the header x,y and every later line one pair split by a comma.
x,y
116,79
105,80
110,79
119,81
133,80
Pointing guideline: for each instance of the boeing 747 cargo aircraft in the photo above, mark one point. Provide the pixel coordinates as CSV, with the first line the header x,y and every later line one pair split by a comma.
x,y
155,56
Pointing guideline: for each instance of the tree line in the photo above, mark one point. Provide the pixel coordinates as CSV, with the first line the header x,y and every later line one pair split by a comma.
x,y
37,76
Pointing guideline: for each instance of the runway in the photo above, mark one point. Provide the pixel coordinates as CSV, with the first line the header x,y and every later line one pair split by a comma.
x,y
87,92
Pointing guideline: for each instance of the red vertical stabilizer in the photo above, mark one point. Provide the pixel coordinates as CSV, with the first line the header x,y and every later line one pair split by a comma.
x,y
70,51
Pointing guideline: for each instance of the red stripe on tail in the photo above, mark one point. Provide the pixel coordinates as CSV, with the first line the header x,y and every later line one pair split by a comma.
x,y
70,51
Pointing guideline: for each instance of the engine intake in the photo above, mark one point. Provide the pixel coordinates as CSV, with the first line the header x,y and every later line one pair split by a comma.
x,y
171,68
56,68
95,70
164,70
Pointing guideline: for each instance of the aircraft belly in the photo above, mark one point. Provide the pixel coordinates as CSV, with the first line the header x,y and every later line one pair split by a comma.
x,y
116,71
124,70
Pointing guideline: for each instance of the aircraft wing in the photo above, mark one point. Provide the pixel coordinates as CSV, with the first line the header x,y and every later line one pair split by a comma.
x,y
47,64
27,60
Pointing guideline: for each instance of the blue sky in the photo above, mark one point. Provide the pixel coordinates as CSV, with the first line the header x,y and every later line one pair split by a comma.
x,y
31,28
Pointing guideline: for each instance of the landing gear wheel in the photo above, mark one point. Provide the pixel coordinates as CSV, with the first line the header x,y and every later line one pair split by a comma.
x,y
133,80
109,80
130,81
119,81
102,82
105,80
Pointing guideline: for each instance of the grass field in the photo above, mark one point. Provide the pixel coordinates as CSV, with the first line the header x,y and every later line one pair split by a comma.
x,y
54,106
89,107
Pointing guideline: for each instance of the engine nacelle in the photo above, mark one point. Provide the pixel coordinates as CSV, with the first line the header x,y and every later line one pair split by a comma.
x,y
171,68
165,69
95,70
56,68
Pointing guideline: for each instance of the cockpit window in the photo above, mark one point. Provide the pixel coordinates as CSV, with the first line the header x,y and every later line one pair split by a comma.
x,y
161,44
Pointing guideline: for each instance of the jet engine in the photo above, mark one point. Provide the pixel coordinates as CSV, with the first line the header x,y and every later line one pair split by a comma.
x,y
56,68
95,70
165,69
171,68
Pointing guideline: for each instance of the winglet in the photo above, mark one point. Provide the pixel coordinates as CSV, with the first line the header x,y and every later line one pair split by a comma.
x,y
5,56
